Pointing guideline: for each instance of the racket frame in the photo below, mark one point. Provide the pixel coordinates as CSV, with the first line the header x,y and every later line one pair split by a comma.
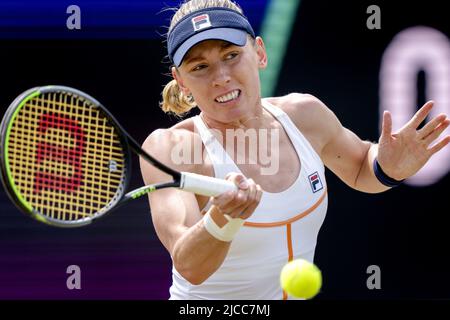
x,y
191,182
8,182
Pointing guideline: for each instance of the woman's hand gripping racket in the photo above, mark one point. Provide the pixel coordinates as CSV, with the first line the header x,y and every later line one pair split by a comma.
x,y
65,160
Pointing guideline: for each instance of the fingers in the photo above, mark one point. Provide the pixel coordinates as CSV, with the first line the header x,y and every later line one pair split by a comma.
x,y
438,146
420,115
430,126
387,125
241,203
229,201
436,131
223,200
239,179
254,200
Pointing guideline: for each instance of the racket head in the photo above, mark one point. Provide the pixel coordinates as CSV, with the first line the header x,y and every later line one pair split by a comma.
x,y
64,159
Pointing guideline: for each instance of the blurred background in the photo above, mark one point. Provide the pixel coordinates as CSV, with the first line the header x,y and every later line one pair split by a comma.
x,y
335,50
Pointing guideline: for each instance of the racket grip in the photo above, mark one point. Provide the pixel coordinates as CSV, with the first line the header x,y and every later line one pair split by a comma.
x,y
205,185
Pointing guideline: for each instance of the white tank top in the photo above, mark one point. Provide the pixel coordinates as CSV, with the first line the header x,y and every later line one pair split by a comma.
x,y
284,226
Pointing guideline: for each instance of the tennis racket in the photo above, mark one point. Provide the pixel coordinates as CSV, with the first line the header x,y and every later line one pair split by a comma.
x,y
66,161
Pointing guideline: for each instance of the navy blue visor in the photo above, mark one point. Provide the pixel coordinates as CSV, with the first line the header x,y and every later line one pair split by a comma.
x,y
207,24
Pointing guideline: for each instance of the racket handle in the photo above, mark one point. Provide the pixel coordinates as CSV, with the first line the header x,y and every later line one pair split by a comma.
x,y
205,185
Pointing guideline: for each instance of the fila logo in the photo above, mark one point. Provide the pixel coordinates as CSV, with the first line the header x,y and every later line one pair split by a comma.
x,y
201,22
315,182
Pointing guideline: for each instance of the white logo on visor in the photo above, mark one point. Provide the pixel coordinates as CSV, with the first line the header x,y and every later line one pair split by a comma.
x,y
201,22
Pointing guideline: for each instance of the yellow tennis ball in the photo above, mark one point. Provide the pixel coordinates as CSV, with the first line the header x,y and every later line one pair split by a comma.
x,y
301,279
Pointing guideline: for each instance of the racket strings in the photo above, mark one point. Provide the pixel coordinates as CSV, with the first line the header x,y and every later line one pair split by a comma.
x,y
66,160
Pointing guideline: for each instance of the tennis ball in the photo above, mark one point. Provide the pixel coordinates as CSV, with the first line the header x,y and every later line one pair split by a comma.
x,y
301,279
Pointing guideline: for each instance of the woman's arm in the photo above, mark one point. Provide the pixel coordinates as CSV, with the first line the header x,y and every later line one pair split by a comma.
x,y
342,151
176,216
400,154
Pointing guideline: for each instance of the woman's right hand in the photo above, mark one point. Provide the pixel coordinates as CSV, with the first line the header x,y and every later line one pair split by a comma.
x,y
242,202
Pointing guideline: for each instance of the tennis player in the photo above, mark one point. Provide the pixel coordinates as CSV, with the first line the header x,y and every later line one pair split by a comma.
x,y
233,246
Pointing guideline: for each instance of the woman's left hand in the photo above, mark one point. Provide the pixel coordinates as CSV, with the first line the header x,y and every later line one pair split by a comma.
x,y
402,154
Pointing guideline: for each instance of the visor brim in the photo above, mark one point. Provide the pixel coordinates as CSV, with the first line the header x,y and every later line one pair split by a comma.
x,y
235,36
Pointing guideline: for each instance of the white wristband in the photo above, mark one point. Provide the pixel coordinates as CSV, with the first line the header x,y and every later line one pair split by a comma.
x,y
227,232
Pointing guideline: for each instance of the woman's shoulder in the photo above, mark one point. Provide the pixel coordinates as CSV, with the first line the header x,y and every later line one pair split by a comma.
x,y
304,109
294,102
168,144
168,136
310,115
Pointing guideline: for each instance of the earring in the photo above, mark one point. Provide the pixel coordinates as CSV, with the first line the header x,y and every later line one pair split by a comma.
x,y
189,97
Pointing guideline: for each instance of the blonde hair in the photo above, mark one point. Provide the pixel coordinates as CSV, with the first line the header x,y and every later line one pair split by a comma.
x,y
174,100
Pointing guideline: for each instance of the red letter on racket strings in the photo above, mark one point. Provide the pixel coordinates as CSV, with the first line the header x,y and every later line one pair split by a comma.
x,y
55,152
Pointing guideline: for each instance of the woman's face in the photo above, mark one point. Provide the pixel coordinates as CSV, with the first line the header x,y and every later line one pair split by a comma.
x,y
223,78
